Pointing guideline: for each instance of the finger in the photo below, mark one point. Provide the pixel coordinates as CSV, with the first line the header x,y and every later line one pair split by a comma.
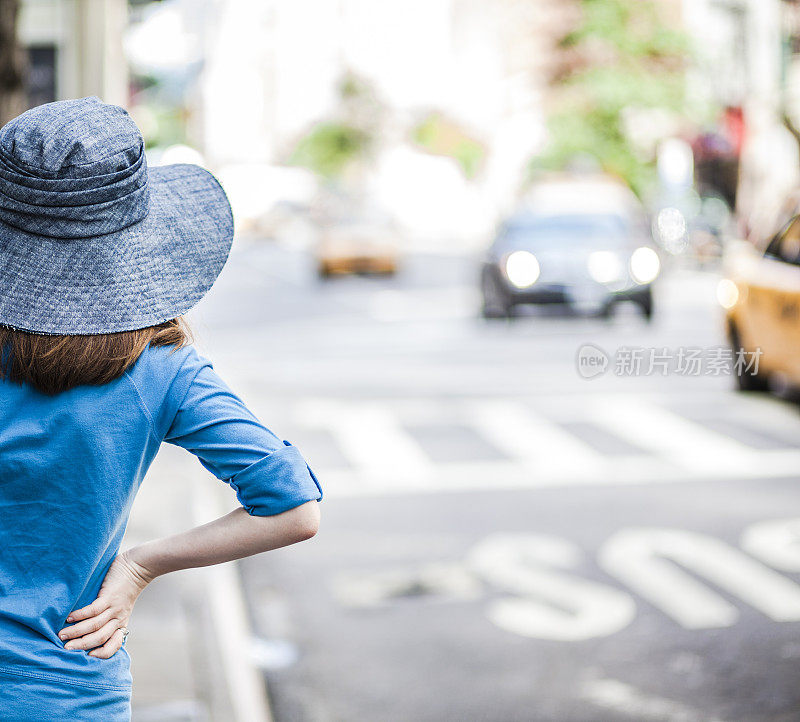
x,y
111,647
86,626
97,606
95,639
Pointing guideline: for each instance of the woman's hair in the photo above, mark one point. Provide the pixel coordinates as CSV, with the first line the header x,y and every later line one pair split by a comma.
x,y
53,363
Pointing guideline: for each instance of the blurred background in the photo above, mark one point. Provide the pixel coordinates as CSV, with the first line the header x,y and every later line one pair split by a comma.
x,y
521,278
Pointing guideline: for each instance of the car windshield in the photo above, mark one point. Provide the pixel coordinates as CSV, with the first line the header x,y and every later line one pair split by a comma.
x,y
573,230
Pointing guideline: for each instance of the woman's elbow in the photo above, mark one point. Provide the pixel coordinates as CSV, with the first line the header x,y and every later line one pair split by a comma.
x,y
306,521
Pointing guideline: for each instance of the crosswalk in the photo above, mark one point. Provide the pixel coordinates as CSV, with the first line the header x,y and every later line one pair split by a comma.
x,y
409,446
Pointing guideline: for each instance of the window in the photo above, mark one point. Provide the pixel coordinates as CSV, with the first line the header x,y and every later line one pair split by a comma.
x,y
41,87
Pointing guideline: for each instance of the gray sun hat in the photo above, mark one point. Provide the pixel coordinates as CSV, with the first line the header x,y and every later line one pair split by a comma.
x,y
91,241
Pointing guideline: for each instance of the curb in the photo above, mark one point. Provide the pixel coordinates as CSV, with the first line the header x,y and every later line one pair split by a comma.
x,y
230,625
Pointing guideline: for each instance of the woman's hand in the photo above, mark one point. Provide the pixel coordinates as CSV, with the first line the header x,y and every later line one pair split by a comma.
x,y
98,627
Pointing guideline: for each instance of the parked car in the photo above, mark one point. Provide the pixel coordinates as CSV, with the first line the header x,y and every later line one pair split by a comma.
x,y
761,295
583,244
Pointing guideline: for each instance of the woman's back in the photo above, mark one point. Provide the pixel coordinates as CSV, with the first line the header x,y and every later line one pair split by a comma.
x,y
85,452
70,467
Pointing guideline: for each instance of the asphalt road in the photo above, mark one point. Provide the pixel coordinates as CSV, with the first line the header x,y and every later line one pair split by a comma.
x,y
503,539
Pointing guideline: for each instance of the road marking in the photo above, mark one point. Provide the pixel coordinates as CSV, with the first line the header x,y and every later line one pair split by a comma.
x,y
543,598
646,561
371,438
616,696
436,581
776,543
685,443
547,604
386,459
532,440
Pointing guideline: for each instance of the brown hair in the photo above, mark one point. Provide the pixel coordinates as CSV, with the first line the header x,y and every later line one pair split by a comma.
x,y
53,363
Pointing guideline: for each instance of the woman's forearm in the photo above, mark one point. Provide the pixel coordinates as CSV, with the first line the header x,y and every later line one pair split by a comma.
x,y
100,626
233,536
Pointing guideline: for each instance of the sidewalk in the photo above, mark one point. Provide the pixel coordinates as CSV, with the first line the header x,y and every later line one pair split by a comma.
x,y
179,660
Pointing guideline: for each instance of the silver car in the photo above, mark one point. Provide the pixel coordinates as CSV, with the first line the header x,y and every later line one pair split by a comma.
x,y
590,254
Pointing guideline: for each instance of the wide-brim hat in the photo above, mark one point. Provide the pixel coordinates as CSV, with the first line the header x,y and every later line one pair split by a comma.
x,y
91,240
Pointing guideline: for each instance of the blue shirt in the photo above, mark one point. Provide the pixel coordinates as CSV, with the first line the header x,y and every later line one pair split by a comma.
x,y
70,467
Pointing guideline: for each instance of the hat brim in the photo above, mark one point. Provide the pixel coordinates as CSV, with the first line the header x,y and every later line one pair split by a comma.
x,y
143,275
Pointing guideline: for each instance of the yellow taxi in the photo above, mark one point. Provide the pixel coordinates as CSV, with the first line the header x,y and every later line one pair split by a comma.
x,y
358,244
761,295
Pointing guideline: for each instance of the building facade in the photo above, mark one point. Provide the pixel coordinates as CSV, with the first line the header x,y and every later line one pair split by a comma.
x,y
74,49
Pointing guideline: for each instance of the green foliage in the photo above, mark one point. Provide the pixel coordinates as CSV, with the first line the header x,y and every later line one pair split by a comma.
x,y
162,125
595,134
329,148
439,136
333,146
632,27
619,57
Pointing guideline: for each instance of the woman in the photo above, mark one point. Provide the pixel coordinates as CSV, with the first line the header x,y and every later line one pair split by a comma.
x,y
99,259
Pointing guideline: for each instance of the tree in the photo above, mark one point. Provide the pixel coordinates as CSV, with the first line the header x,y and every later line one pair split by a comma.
x,y
619,57
439,135
339,144
12,63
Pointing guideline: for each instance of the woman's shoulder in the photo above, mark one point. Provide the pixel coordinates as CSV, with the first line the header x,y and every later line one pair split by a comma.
x,y
163,371
162,377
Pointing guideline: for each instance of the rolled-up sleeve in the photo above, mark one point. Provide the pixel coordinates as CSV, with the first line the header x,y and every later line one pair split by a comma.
x,y
268,474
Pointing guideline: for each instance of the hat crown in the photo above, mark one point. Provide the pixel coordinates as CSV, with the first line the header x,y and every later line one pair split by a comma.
x,y
72,169
72,139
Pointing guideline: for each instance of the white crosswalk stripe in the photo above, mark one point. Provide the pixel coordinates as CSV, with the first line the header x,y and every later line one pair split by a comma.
x,y
692,447
532,440
371,438
534,449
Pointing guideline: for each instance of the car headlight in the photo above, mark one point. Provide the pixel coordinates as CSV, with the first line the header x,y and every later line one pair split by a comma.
x,y
605,266
644,265
727,293
522,268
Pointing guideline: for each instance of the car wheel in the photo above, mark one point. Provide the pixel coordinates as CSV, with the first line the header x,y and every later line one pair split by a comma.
x,y
606,312
496,303
646,305
746,381
493,313
751,382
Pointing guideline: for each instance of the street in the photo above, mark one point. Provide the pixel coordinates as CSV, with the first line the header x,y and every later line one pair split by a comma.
x,y
587,511
501,538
